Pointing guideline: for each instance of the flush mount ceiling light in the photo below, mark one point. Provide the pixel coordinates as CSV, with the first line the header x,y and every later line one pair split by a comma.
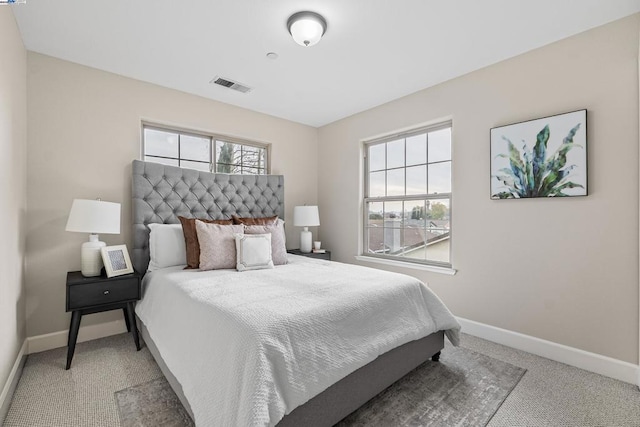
x,y
306,28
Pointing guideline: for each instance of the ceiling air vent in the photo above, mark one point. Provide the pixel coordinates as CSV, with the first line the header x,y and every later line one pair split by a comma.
x,y
230,84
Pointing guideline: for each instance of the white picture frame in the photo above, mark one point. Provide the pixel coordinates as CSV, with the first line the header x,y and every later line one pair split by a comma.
x,y
116,260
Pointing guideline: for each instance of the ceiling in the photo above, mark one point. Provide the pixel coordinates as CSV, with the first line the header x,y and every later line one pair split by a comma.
x,y
374,51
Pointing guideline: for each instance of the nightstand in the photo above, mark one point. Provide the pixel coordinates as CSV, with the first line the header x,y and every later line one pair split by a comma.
x,y
87,295
326,255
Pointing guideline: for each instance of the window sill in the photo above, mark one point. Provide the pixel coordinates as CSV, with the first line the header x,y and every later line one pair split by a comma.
x,y
431,268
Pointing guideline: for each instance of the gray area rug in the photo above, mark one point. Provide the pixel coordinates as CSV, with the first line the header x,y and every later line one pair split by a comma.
x,y
153,403
464,389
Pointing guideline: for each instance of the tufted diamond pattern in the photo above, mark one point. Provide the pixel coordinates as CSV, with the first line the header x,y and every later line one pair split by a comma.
x,y
161,193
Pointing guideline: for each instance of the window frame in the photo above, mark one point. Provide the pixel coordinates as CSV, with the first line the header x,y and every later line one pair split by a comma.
x,y
366,199
213,139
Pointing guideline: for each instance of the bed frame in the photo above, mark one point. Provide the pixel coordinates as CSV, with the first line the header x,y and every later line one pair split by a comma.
x,y
161,193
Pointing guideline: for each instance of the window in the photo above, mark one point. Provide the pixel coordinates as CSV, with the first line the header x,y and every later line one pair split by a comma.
x,y
209,153
408,196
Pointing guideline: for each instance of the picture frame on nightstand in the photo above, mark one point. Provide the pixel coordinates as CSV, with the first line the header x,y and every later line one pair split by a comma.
x,y
116,260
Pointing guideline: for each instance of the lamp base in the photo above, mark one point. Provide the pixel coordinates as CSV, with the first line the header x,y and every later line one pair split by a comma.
x,y
91,257
305,240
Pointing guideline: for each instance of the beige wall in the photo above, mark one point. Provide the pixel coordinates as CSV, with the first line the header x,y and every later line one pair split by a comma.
x,y
564,270
84,131
13,179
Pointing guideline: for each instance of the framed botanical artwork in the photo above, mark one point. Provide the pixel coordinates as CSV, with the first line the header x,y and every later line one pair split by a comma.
x,y
116,260
544,157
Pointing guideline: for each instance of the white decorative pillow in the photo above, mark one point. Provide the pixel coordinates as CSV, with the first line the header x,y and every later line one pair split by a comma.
x,y
253,251
217,245
166,246
278,240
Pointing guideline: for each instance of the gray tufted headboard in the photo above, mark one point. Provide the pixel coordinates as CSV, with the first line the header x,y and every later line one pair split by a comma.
x,y
161,193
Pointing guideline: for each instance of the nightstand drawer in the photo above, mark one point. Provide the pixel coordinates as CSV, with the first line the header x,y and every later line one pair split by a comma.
x,y
105,292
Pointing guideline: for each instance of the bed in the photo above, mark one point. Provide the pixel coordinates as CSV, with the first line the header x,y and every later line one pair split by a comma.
x,y
181,309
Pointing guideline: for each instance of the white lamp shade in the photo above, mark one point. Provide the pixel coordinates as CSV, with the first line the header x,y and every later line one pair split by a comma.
x,y
94,216
306,216
306,28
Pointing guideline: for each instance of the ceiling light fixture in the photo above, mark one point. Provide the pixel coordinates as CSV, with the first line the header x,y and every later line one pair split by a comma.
x,y
306,28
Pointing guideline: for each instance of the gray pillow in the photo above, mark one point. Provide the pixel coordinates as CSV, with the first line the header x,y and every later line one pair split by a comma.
x,y
278,240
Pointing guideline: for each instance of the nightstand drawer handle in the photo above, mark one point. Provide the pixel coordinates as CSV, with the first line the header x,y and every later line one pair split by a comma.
x,y
106,292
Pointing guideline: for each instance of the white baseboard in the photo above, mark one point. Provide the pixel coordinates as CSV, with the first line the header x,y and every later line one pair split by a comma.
x,y
58,339
593,362
12,381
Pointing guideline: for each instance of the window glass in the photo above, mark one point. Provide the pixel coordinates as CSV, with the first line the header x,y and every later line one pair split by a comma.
x,y
251,157
162,160
395,154
408,197
440,145
417,149
201,166
203,152
195,148
228,155
161,144
417,180
440,178
395,182
377,157
377,183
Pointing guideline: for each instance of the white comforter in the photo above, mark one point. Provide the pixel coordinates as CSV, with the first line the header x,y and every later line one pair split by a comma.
x,y
250,347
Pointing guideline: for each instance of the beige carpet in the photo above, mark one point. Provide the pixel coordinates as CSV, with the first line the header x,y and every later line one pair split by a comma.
x,y
49,396
549,394
552,394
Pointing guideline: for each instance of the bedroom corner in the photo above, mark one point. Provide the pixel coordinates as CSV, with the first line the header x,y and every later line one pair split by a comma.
x,y
13,178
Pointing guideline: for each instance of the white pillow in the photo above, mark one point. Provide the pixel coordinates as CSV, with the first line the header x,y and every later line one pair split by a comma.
x,y
253,251
166,246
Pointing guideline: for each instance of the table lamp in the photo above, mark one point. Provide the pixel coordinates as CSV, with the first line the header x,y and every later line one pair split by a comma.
x,y
305,216
93,217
